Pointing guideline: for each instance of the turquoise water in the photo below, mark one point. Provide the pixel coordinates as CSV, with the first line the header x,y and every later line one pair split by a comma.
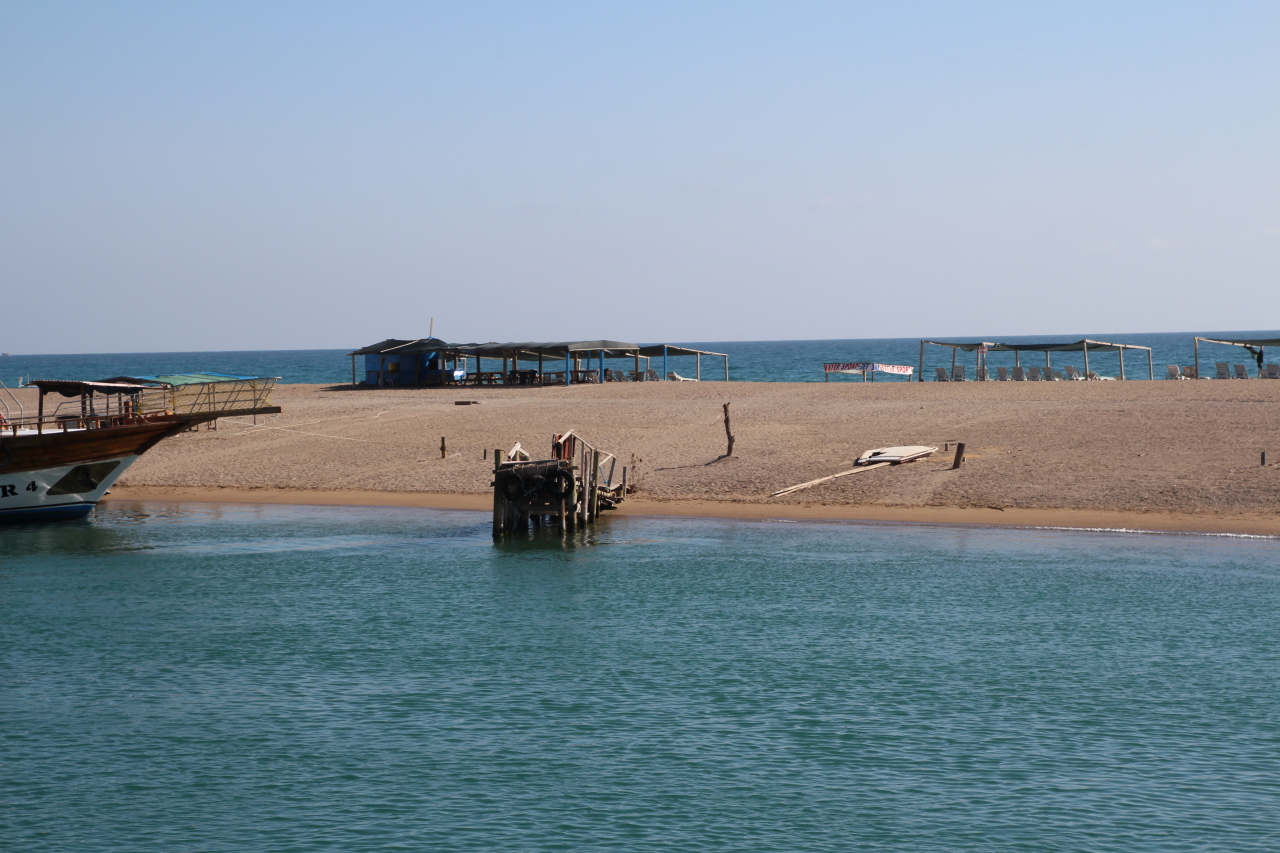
x,y
749,361
209,678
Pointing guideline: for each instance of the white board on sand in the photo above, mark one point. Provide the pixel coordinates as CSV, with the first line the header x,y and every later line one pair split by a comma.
x,y
904,453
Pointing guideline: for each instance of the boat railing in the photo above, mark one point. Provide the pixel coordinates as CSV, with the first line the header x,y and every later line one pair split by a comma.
x,y
8,413
95,411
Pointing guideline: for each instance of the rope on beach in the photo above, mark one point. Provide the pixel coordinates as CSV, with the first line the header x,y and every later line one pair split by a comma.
x,y
304,432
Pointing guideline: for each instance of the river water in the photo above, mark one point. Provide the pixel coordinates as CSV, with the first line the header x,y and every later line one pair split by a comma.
x,y
231,678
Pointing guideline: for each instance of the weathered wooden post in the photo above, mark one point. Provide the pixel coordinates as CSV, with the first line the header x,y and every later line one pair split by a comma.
x,y
499,502
959,460
727,431
442,450
594,494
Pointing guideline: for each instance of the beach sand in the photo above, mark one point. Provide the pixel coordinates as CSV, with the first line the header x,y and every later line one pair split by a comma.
x,y
1152,455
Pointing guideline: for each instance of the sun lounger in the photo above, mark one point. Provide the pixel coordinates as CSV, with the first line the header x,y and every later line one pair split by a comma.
x,y
1071,372
1273,371
942,375
1189,372
1241,372
957,373
1002,374
1051,375
1224,370
676,377
651,375
1034,374
983,375
1019,375
1092,375
1174,372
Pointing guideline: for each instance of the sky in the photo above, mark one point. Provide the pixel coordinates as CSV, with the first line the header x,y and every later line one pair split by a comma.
x,y
280,175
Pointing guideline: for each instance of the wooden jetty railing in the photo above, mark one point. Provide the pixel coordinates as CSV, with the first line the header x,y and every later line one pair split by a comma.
x,y
569,490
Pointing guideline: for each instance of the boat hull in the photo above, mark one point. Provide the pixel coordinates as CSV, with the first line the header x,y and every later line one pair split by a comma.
x,y
64,491
60,474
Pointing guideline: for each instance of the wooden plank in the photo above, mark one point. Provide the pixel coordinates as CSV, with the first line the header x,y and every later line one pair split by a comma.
x,y
857,470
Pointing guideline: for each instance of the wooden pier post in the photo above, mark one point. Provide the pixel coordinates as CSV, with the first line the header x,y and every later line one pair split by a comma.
x,y
499,502
593,493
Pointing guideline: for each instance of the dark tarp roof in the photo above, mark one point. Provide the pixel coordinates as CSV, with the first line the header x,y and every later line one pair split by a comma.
x,y
554,349
396,345
652,350
1244,342
1074,346
76,387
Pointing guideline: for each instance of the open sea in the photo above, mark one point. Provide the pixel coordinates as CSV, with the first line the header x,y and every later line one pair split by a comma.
x,y
749,361
272,678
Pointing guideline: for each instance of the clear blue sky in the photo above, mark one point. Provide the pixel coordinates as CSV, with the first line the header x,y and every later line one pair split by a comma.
x,y
193,176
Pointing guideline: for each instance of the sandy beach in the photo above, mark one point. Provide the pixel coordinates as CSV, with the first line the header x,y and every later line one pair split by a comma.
x,y
1152,455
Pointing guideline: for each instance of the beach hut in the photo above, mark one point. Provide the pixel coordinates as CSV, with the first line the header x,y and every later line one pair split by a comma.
x,y
421,361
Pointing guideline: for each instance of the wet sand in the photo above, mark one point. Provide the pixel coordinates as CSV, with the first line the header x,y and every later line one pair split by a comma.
x,y
1158,455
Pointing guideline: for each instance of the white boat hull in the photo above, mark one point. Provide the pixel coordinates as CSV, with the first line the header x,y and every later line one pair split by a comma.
x,y
64,491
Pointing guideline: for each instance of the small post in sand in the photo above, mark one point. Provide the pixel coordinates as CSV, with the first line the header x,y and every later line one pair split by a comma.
x,y
727,431
959,460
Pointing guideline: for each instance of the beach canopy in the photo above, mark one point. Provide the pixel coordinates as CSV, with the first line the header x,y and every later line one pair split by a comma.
x,y
597,350
179,379
1244,342
553,349
1084,346
655,350
76,387
1254,345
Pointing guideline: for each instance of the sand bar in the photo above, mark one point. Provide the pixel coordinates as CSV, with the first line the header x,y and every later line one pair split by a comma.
x,y
1160,455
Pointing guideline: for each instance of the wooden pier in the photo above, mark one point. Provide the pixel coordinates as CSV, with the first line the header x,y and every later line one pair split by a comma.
x,y
563,493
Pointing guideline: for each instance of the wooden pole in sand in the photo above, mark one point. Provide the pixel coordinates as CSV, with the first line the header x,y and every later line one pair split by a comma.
x,y
727,431
959,460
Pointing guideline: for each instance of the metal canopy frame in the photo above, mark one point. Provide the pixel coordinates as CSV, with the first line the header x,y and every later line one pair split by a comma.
x,y
980,348
1247,343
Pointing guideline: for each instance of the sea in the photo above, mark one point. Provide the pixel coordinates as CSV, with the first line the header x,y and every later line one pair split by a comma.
x,y
187,677
222,677
749,361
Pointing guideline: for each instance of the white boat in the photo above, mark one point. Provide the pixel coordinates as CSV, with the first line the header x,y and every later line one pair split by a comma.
x,y
903,453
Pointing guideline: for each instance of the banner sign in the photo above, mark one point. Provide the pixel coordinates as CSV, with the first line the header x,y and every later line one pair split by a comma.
x,y
867,366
